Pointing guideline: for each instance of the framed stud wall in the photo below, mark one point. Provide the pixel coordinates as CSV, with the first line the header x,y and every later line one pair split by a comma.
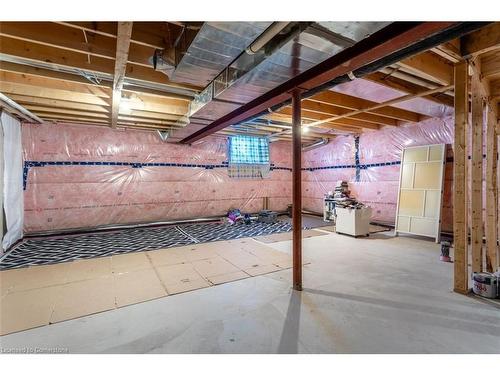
x,y
420,190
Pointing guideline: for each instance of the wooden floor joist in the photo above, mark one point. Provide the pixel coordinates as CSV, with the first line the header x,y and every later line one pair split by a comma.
x,y
354,103
460,279
430,67
402,84
383,104
477,174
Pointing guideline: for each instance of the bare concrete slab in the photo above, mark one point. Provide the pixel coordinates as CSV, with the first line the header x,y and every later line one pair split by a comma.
x,y
378,294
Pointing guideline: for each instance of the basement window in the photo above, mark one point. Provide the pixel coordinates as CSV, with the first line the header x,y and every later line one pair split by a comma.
x,y
248,150
248,157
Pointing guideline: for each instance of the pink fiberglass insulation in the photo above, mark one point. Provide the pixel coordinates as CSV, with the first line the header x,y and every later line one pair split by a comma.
x,y
85,196
378,184
378,93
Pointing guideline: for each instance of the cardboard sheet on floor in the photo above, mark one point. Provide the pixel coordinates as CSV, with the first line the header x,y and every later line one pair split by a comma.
x,y
373,228
40,295
137,286
287,236
83,298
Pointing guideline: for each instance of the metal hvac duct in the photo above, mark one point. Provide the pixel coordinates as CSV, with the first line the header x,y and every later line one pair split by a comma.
x,y
297,48
214,47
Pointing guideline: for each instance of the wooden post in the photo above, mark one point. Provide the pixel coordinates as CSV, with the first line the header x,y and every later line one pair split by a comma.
x,y
297,190
460,279
491,191
477,174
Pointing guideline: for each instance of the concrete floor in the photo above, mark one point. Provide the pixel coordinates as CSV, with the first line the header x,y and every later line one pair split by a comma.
x,y
369,295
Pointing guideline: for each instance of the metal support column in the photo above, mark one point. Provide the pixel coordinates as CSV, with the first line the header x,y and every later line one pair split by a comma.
x,y
297,189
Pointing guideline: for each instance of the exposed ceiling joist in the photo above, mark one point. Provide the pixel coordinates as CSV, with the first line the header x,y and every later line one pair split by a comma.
x,y
449,51
408,87
490,65
68,99
7,66
429,66
287,118
150,34
481,41
42,92
51,103
330,110
494,89
77,62
37,81
66,71
28,71
380,105
18,110
311,117
122,48
353,102
47,111
81,119
63,37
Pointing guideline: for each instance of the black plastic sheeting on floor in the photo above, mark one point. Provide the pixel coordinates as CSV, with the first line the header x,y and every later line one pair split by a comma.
x,y
64,249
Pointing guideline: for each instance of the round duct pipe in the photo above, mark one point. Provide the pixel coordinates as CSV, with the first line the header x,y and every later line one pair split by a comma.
x,y
265,37
312,146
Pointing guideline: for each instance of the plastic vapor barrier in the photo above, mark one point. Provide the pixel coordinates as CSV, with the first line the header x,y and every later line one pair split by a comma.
x,y
374,179
373,165
86,176
80,176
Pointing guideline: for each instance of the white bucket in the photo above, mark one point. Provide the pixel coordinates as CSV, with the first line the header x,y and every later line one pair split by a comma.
x,y
485,284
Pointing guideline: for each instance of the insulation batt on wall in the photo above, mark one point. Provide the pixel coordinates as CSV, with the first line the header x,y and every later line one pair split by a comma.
x,y
77,196
379,155
379,163
59,197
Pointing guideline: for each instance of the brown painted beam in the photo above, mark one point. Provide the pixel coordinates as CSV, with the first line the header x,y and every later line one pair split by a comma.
x,y
297,190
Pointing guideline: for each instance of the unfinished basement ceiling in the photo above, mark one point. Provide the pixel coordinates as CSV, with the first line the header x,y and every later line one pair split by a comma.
x,y
63,72
302,51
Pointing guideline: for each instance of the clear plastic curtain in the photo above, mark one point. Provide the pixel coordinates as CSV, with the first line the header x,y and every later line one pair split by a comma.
x,y
12,180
